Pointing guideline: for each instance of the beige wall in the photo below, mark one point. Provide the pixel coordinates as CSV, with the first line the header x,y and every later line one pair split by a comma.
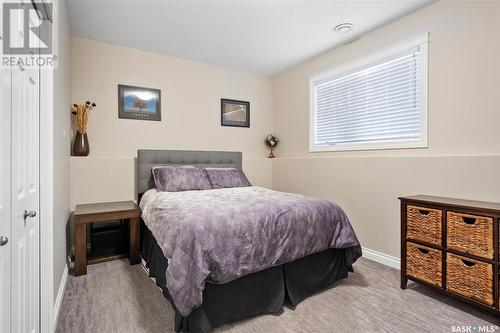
x,y
61,136
191,94
463,158
112,178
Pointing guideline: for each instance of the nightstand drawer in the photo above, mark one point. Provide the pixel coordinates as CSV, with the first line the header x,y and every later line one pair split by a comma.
x,y
471,234
424,224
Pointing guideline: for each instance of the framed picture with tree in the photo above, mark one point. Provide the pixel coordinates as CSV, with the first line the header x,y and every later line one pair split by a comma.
x,y
139,103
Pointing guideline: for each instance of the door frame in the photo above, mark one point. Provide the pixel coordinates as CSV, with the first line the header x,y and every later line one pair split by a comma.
x,y
47,316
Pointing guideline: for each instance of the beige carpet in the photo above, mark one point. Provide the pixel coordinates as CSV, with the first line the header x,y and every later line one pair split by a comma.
x,y
116,297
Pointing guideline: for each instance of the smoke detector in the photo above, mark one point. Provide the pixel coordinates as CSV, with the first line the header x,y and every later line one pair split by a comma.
x,y
343,27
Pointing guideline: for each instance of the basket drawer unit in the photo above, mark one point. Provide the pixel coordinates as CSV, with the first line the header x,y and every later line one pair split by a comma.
x,y
424,224
470,278
424,263
471,234
452,245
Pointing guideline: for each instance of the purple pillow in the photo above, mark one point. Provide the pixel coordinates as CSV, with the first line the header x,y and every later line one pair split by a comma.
x,y
226,177
180,178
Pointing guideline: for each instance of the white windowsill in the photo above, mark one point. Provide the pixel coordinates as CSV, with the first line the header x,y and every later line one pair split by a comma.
x,y
371,146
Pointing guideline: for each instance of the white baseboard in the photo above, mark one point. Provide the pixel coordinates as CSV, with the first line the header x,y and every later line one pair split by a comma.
x,y
60,295
382,258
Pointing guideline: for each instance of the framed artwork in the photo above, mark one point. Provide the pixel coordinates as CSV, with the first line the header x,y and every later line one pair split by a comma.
x,y
139,103
235,113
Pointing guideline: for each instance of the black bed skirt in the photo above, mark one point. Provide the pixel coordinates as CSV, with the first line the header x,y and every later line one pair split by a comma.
x,y
260,293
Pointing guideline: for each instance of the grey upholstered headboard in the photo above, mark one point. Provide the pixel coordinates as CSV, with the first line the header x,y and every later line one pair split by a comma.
x,y
147,158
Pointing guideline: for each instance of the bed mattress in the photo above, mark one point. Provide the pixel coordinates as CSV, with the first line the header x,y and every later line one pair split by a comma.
x,y
264,292
218,236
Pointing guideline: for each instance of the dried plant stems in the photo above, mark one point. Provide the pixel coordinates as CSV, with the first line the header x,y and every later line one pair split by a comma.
x,y
82,115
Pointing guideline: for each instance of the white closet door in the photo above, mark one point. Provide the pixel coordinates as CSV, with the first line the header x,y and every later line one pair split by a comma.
x,y
5,205
19,196
25,200
5,217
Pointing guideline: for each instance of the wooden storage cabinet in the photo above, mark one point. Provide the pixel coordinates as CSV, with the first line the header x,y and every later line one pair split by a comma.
x,y
452,245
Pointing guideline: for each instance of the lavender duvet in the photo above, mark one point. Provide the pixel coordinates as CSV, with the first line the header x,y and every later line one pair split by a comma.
x,y
220,235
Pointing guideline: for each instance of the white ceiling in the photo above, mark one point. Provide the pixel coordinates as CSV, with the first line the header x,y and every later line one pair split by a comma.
x,y
264,37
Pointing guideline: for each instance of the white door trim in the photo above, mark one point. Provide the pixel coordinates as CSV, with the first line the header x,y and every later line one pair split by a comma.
x,y
46,203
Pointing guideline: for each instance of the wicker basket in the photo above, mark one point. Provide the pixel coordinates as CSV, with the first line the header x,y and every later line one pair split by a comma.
x,y
424,224
469,278
424,263
470,234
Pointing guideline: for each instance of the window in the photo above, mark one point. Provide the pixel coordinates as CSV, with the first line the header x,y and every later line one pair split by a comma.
x,y
377,103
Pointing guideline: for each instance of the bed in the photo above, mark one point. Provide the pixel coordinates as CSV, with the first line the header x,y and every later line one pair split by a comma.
x,y
214,277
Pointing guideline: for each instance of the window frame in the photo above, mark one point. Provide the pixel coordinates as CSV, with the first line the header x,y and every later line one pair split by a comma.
x,y
421,40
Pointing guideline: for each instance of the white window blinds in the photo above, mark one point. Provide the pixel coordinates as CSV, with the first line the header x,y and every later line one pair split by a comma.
x,y
378,104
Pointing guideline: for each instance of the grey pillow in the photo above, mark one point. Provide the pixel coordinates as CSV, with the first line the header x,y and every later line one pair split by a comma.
x,y
226,177
180,178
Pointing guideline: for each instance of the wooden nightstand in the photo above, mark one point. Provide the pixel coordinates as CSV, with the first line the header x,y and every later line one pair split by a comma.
x,y
99,212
